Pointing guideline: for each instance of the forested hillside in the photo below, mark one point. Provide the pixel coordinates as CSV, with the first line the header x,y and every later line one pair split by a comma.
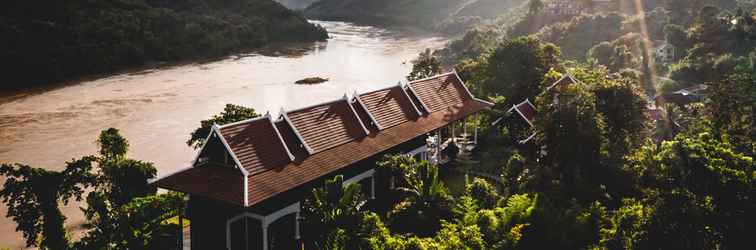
x,y
45,41
709,38
296,4
585,146
449,16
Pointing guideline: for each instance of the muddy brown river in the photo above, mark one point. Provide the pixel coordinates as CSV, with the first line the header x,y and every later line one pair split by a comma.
x,y
156,109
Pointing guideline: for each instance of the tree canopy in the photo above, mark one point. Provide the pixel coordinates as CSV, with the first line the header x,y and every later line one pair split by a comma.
x,y
33,196
516,67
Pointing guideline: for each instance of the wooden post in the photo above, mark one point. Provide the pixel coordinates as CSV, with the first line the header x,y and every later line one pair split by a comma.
x,y
464,126
181,229
452,132
477,122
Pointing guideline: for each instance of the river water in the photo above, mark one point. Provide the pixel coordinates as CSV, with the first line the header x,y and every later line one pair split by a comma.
x,y
157,109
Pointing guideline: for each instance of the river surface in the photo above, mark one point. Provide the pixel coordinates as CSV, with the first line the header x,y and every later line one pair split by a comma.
x,y
157,109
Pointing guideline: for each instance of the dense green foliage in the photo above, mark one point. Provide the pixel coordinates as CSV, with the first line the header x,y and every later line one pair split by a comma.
x,y
420,13
122,212
231,113
331,213
513,70
426,200
425,65
296,4
33,196
599,173
46,41
447,16
581,33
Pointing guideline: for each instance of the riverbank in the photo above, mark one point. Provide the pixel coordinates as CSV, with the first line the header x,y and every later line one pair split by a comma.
x,y
56,42
280,49
156,109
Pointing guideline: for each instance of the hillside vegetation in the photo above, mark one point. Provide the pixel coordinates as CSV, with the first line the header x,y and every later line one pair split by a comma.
x,y
296,4
448,16
45,41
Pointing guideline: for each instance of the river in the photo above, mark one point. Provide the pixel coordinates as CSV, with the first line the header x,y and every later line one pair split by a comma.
x,y
157,109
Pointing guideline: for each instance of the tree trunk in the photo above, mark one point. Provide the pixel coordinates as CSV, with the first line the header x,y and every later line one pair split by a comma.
x,y
53,233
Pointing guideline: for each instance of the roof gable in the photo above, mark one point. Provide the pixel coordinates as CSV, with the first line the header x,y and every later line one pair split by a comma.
x,y
439,92
256,144
390,106
327,125
566,80
366,117
526,109
295,145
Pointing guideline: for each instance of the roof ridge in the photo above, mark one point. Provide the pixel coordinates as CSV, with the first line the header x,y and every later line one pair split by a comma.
x,y
217,130
357,98
412,90
314,105
468,90
354,112
243,121
431,77
409,99
285,117
377,90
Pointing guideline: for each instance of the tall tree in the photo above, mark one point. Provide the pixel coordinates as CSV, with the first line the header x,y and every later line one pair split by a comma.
x,y
231,113
33,196
516,68
622,105
425,65
119,181
571,132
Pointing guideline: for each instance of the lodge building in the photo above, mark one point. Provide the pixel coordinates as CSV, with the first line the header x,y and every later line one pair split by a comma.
x,y
248,181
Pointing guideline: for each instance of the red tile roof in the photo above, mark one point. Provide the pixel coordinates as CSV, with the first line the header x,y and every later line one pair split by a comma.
x,y
256,144
365,116
335,133
295,145
210,181
389,107
270,183
337,118
526,110
437,93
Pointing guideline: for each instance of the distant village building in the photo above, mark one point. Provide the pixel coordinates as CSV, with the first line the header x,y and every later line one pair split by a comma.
x,y
664,52
527,111
248,181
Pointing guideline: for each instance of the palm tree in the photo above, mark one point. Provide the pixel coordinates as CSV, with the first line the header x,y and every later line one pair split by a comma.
x,y
331,212
427,201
